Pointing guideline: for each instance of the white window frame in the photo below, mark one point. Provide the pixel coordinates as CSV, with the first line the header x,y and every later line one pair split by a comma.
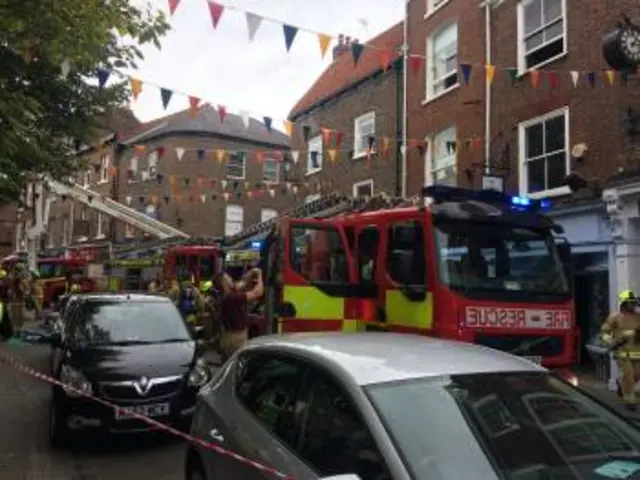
x,y
315,145
362,149
363,183
152,165
432,6
522,160
233,226
99,233
86,179
271,161
433,143
312,198
431,82
267,214
133,166
522,64
128,231
235,156
105,162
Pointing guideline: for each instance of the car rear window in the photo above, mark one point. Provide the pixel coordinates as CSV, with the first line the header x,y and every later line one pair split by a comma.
x,y
111,322
525,426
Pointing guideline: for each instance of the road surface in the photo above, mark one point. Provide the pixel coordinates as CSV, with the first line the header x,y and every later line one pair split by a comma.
x,y
24,448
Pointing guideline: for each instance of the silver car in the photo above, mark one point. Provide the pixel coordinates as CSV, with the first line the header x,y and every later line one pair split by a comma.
x,y
378,406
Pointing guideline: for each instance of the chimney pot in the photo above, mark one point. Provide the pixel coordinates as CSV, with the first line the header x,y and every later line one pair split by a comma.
x,y
347,41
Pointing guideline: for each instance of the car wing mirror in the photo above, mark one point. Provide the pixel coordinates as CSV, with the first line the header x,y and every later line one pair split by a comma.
x,y
348,476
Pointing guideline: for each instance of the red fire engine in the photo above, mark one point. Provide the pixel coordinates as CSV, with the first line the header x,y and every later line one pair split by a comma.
x,y
460,264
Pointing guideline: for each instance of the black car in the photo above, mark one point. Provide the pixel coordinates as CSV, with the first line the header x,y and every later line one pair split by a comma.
x,y
131,350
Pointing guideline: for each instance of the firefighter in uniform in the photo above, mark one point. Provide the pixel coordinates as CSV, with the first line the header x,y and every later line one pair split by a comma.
x,y
209,315
174,291
621,331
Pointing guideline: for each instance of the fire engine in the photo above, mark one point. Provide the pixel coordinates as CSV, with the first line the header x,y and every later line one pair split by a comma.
x,y
477,266
54,272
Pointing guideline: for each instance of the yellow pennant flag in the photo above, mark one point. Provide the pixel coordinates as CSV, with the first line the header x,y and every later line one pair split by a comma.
x,y
288,127
325,41
611,76
490,72
220,155
386,144
333,153
136,88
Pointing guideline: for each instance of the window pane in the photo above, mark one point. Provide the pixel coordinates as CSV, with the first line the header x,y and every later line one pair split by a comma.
x,y
552,10
556,170
314,157
443,40
536,176
553,31
532,16
534,41
554,134
318,254
534,144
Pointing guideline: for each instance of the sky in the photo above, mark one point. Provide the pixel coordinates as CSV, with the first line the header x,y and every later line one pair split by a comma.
x,y
221,67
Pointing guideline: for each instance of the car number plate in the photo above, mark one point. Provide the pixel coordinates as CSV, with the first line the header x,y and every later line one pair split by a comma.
x,y
156,410
536,359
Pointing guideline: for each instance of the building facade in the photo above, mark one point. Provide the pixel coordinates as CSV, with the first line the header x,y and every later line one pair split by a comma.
x,y
207,175
347,125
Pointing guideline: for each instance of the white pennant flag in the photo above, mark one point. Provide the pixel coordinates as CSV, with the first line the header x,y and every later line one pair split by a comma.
x,y
245,118
575,76
180,153
272,192
224,184
295,155
253,23
65,68
128,200
203,198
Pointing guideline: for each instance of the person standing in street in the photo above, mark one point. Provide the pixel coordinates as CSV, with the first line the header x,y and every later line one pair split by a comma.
x,y
621,331
6,328
234,310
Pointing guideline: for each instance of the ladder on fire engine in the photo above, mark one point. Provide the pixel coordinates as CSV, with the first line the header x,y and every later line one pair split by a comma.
x,y
326,207
158,246
111,208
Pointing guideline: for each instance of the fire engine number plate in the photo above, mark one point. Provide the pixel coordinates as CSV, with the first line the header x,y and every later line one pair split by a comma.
x,y
536,360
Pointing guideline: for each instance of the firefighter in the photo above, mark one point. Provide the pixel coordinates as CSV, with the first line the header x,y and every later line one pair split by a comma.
x,y
188,303
73,284
16,296
210,311
174,291
621,331
6,328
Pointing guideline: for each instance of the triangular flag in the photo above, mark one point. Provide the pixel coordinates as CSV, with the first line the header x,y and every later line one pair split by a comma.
x,y
288,127
611,76
180,153
203,198
160,152
136,88
222,112
591,77
194,106
465,69
128,200
65,68
253,23
386,57
224,184
325,41
356,51
339,138
326,135
289,35
415,64
513,75
173,5
268,123
575,77
220,153
295,156
553,80
215,9
534,76
103,77
166,95
244,115
201,153
386,144
333,153
490,72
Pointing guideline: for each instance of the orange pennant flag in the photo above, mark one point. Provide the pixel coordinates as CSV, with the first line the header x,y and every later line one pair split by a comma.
x,y
325,41
386,56
220,154
136,88
140,149
288,127
386,144
326,135
611,76
259,156
333,154
534,76
194,106
490,72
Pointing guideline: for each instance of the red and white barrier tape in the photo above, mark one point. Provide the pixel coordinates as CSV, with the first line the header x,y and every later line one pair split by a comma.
x,y
12,362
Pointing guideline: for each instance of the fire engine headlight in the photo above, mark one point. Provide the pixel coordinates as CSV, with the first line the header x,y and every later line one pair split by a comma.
x,y
76,383
199,374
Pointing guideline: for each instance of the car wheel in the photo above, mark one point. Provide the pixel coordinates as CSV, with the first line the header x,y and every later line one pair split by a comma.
x,y
59,434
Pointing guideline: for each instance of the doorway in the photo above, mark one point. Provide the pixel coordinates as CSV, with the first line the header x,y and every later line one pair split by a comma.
x,y
591,294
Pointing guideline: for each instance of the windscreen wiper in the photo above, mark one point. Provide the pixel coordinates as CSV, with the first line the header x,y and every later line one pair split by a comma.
x,y
174,340
131,342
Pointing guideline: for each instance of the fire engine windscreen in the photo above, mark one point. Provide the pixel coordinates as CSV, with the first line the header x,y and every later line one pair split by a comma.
x,y
200,266
493,258
50,269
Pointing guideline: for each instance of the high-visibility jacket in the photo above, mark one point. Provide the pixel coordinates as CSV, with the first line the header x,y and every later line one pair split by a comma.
x,y
619,326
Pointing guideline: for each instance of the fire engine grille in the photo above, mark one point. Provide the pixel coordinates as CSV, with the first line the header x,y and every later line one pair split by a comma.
x,y
535,345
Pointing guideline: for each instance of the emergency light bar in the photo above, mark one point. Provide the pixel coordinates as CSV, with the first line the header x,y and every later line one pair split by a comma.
x,y
443,193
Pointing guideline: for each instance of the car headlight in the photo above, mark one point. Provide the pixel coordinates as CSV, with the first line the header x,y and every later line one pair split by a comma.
x,y
77,382
199,374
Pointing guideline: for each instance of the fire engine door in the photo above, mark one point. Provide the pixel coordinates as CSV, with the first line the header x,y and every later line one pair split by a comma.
x,y
404,291
317,275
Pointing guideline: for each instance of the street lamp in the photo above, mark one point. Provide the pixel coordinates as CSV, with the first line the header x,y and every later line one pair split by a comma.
x,y
621,47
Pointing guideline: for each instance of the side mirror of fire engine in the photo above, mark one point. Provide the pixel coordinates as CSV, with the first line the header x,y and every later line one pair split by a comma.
x,y
286,310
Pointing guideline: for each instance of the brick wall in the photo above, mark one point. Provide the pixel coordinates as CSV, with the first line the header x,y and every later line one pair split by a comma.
x,y
378,94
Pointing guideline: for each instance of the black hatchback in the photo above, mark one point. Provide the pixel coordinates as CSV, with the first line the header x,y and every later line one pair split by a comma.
x,y
129,350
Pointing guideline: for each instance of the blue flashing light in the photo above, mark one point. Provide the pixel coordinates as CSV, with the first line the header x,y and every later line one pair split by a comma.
x,y
521,201
256,245
446,193
545,204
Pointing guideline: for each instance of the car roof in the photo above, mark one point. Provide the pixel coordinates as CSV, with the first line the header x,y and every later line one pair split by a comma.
x,y
385,357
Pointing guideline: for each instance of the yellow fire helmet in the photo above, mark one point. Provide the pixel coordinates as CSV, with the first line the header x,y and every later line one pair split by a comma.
x,y
75,288
626,296
3,273
205,286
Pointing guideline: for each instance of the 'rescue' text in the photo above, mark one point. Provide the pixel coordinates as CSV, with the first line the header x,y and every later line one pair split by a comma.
x,y
517,318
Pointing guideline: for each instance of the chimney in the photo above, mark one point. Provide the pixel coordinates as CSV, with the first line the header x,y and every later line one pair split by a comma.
x,y
341,47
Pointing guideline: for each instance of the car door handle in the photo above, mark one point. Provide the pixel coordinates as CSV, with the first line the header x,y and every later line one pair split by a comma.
x,y
216,435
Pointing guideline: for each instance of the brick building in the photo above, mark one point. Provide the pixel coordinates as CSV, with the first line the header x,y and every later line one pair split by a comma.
x,y
199,174
353,105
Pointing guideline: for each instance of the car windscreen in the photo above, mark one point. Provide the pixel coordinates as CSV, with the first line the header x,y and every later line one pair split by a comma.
x,y
525,426
130,322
